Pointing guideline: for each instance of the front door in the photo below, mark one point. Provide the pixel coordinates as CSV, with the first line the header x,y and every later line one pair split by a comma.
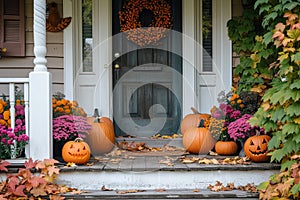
x,y
147,72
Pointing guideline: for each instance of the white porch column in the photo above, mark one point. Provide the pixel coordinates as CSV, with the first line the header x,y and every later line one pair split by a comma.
x,y
40,90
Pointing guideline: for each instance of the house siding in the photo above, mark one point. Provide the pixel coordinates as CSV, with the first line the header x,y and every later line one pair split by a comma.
x,y
12,67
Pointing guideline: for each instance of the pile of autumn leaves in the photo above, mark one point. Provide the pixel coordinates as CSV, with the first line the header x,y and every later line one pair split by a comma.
x,y
26,185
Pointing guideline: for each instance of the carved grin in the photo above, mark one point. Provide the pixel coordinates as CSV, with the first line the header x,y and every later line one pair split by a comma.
x,y
77,154
258,153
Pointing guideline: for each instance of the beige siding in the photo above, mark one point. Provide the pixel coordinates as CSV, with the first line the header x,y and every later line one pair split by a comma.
x,y
20,67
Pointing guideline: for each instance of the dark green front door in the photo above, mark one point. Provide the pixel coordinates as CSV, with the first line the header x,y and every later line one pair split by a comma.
x,y
147,81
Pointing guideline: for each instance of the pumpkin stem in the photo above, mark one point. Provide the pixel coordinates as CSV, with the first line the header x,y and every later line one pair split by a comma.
x,y
96,113
201,124
78,140
97,119
257,132
195,111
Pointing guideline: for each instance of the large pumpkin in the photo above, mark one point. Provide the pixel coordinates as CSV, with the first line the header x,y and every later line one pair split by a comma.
x,y
101,137
198,140
101,118
192,120
256,148
76,151
226,147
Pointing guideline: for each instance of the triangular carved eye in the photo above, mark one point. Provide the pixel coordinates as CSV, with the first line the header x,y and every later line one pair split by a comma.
x,y
251,143
264,141
84,148
71,146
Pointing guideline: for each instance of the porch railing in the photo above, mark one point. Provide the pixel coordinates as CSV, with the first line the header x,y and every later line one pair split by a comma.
x,y
23,84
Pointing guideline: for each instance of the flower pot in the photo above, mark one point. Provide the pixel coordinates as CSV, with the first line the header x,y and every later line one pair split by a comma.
x,y
226,147
57,148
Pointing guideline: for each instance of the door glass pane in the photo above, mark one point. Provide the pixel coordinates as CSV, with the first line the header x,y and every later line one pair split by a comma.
x,y
207,35
87,36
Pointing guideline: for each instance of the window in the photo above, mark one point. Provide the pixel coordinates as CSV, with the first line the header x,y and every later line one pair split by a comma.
x,y
204,34
87,36
12,27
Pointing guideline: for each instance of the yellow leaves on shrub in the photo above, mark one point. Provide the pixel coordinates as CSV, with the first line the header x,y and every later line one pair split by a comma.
x,y
1,108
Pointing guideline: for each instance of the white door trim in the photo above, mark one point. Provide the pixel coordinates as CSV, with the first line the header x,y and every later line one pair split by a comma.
x,y
222,46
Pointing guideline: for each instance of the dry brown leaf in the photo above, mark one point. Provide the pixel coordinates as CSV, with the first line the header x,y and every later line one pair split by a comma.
x,y
195,190
211,153
188,160
103,188
90,164
129,191
115,160
205,161
160,190
56,197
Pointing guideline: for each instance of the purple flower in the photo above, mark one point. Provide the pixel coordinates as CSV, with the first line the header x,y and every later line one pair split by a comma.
x,y
235,114
240,129
69,127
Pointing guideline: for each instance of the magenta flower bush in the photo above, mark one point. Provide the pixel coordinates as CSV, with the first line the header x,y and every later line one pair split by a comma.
x,y
70,127
241,129
13,141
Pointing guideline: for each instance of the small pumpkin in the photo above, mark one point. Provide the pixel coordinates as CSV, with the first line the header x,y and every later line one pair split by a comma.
x,y
101,137
256,148
76,151
192,120
198,140
226,147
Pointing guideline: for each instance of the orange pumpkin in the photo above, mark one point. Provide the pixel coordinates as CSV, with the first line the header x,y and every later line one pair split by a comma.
x,y
102,119
76,151
101,137
198,140
256,148
192,120
226,147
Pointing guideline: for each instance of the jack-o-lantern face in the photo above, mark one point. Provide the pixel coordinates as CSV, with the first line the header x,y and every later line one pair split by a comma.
x,y
256,148
76,151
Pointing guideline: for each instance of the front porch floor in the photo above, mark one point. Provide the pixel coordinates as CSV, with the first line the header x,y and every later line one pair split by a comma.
x,y
146,172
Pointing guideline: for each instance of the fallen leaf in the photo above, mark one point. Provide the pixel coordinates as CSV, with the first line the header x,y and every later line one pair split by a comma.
x,y
71,164
115,160
56,197
90,164
129,191
38,191
52,170
211,153
3,165
195,190
103,188
205,161
160,190
29,164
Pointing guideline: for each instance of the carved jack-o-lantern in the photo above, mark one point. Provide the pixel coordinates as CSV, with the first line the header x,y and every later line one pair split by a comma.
x,y
76,151
256,148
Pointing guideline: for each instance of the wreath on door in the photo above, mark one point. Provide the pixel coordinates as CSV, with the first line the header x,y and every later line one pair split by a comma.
x,y
131,24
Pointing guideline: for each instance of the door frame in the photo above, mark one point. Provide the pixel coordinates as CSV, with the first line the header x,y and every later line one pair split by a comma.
x,y
221,44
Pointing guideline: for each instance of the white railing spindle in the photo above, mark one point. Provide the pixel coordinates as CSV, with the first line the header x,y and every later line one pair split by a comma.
x,y
12,100
26,102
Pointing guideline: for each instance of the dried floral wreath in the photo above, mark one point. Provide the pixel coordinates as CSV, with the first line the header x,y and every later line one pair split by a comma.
x,y
130,21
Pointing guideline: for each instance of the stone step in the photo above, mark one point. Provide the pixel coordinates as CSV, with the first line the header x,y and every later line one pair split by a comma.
x,y
167,194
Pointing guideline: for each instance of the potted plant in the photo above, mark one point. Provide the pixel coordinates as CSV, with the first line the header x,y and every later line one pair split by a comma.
x,y
67,128
228,111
